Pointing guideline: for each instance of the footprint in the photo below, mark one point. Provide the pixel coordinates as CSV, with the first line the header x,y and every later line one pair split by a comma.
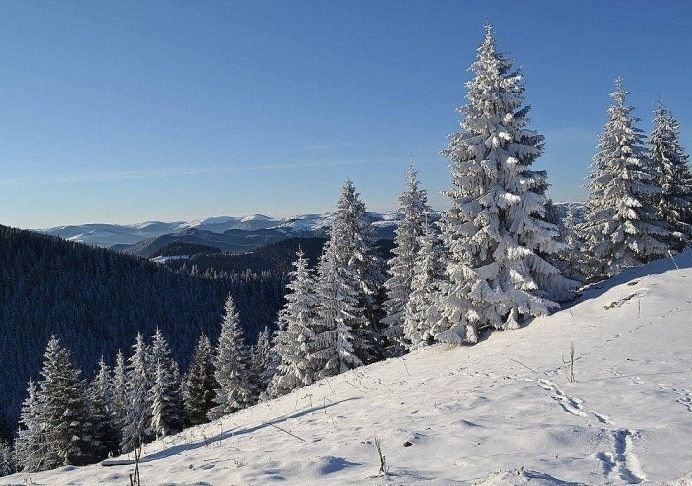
x,y
604,419
622,463
685,398
569,404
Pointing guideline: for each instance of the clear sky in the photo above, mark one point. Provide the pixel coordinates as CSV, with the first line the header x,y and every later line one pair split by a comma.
x,y
129,111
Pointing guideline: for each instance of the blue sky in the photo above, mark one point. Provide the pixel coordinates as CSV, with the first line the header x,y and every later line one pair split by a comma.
x,y
130,111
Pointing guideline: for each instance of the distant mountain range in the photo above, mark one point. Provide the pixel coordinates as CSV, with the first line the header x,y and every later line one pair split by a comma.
x,y
226,233
233,234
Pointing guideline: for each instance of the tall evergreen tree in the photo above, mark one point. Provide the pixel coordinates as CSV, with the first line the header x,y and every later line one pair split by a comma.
x,y
63,413
30,444
231,366
200,383
294,340
574,261
674,203
118,402
622,225
350,267
495,230
260,365
7,463
413,204
138,411
165,396
99,393
421,313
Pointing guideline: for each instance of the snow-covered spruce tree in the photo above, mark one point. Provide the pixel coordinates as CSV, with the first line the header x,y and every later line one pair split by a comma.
x,y
30,444
64,413
338,311
294,340
674,203
138,410
259,364
622,227
495,230
7,463
165,397
573,261
231,371
350,264
413,204
118,402
421,313
198,390
104,430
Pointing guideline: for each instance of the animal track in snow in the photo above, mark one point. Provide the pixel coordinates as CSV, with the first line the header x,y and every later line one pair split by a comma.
x,y
622,463
569,404
685,398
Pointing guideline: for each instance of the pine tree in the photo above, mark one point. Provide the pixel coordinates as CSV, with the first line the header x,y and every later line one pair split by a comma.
x,y
294,340
118,403
259,363
674,203
64,413
231,366
349,264
165,398
138,411
495,231
413,204
333,350
421,313
104,430
7,463
622,226
573,260
30,444
200,383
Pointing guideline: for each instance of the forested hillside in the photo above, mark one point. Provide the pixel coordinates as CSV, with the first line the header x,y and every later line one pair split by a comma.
x,y
96,301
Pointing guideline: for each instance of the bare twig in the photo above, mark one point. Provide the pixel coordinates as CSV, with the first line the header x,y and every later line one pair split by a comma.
x,y
525,366
570,363
287,432
404,361
384,469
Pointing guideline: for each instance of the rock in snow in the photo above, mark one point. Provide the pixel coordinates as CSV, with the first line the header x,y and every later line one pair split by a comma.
x,y
501,412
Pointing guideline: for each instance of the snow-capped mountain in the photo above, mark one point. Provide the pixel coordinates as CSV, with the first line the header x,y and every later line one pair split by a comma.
x,y
120,236
502,412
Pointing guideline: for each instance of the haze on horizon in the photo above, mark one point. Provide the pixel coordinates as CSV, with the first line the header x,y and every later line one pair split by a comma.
x,y
125,112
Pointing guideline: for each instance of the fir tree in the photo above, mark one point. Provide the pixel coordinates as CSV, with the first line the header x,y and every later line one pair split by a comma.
x,y
138,411
259,361
118,402
30,444
7,463
495,230
165,398
413,204
231,366
104,431
421,313
350,267
63,413
200,383
674,203
573,260
622,226
294,340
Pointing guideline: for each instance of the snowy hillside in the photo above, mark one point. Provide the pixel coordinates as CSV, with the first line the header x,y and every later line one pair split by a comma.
x,y
501,412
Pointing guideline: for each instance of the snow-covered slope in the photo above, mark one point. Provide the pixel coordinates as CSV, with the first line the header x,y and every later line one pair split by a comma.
x,y
499,413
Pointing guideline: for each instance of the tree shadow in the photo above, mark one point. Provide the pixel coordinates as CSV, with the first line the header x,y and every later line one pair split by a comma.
x,y
177,449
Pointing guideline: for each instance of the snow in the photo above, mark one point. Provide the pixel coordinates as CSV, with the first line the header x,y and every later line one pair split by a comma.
x,y
501,412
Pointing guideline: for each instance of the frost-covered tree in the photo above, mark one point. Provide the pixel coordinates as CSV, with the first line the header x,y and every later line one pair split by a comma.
x,y
7,462
200,383
350,267
165,398
338,312
260,364
118,401
573,260
231,371
63,413
495,231
421,313
621,222
30,443
138,410
294,340
674,203
104,431
413,204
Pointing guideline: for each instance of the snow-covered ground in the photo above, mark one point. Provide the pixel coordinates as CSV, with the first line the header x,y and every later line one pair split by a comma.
x,y
499,413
